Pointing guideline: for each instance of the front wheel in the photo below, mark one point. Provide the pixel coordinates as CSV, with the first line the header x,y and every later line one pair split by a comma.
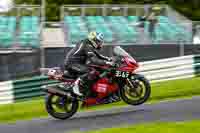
x,y
61,107
136,90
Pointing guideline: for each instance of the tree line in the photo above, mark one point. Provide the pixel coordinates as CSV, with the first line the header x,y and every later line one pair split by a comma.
x,y
190,8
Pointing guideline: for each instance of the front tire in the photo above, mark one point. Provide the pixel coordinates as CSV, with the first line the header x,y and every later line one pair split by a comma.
x,y
129,95
56,106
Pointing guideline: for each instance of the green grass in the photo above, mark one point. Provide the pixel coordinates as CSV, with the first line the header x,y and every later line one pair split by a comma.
x,y
160,91
157,127
22,111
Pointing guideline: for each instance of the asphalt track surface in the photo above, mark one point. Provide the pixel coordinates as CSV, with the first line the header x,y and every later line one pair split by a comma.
x,y
179,110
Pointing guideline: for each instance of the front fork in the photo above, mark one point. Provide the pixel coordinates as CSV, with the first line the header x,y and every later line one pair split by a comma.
x,y
134,85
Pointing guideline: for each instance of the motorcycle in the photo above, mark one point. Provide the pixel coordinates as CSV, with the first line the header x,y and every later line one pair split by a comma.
x,y
121,79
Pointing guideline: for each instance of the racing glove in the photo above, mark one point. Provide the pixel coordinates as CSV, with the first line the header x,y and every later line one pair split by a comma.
x,y
110,63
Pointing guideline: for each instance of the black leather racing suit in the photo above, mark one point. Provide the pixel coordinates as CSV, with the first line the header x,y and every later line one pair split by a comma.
x,y
80,56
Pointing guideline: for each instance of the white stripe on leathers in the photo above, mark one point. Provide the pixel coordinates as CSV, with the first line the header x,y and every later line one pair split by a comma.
x,y
78,49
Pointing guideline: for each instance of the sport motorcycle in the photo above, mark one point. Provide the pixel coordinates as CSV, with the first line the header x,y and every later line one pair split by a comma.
x,y
121,79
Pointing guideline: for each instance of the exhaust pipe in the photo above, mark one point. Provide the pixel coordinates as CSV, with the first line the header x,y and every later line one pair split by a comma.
x,y
59,92
55,91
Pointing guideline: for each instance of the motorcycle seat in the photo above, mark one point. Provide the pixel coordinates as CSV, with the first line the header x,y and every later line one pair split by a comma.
x,y
68,75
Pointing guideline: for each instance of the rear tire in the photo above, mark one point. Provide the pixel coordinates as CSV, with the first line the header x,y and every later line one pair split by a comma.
x,y
141,100
64,115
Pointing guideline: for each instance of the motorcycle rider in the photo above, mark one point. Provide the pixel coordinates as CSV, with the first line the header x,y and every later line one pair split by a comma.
x,y
84,53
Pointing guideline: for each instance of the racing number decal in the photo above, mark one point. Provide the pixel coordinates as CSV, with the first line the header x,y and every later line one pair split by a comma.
x,y
122,74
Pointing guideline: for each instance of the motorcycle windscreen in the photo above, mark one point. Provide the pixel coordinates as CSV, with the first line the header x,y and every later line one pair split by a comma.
x,y
121,52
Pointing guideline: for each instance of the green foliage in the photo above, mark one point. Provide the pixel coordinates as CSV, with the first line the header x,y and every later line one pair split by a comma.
x,y
190,8
52,12
33,2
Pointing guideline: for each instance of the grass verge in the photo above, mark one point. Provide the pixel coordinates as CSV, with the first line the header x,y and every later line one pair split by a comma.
x,y
160,91
157,127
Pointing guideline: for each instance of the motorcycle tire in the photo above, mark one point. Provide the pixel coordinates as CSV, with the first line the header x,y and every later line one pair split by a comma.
x,y
141,100
62,116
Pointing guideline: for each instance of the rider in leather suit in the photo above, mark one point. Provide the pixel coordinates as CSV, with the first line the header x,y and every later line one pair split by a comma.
x,y
84,53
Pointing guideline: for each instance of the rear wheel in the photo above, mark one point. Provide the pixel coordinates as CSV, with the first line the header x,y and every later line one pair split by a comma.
x,y
136,91
61,107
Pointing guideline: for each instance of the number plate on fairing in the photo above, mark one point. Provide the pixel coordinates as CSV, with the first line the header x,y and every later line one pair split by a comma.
x,y
122,74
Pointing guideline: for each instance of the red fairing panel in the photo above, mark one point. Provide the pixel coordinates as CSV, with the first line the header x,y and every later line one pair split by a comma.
x,y
90,101
103,87
130,65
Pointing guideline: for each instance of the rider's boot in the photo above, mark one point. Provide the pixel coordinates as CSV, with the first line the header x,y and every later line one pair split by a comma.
x,y
116,97
112,98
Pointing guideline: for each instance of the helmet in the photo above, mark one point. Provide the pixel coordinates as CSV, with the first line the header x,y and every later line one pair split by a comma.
x,y
96,39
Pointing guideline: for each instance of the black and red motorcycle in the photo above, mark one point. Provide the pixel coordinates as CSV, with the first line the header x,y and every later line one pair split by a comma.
x,y
121,79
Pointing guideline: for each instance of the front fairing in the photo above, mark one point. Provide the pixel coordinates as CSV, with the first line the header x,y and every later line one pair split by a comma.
x,y
119,51
128,62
